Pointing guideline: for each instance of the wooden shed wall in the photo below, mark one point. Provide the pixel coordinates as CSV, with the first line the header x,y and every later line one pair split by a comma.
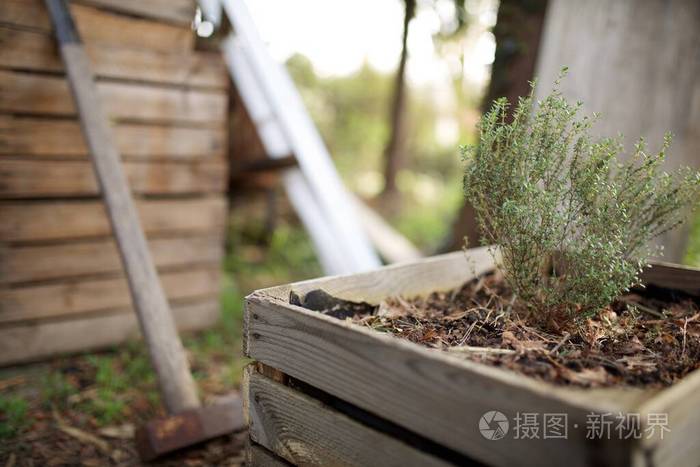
x,y
61,282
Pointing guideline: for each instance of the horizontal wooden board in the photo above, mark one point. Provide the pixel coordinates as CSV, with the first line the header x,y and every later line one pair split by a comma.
x,y
60,138
673,276
97,26
73,297
176,11
35,263
36,51
32,221
438,396
40,340
408,279
49,95
27,178
305,432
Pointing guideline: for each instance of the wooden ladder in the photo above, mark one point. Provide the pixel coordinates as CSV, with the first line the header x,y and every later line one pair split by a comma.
x,y
342,229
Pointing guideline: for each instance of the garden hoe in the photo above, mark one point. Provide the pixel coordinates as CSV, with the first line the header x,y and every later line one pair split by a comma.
x,y
188,422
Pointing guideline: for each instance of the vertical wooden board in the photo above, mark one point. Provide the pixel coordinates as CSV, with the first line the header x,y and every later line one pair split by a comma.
x,y
637,64
26,178
60,138
38,94
305,432
245,142
88,295
33,263
679,405
41,340
102,27
36,51
59,220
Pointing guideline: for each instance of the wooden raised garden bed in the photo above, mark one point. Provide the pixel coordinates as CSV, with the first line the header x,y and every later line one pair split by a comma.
x,y
324,391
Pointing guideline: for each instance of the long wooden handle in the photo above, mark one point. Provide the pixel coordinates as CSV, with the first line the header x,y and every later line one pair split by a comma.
x,y
157,325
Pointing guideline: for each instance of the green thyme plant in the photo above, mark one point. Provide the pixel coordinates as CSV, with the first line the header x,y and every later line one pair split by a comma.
x,y
573,222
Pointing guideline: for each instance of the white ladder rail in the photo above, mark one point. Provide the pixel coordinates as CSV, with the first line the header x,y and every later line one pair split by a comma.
x,y
306,144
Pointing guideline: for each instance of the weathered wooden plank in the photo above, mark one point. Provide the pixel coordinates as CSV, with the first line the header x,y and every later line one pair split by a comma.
x,y
149,300
49,95
26,178
40,340
443,272
36,51
176,11
305,432
34,263
60,220
258,456
102,27
60,138
679,404
438,396
73,297
416,388
673,276
637,64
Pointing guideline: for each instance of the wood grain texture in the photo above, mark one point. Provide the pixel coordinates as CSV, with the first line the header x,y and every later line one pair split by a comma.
x,y
100,27
26,178
438,396
149,300
176,11
41,340
22,264
73,297
636,63
678,447
60,138
305,432
258,456
443,272
673,276
61,219
36,51
49,95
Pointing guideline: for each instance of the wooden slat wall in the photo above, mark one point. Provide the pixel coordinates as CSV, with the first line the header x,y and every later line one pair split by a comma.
x,y
62,288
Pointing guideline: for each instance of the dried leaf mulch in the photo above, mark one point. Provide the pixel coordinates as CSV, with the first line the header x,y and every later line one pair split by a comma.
x,y
649,338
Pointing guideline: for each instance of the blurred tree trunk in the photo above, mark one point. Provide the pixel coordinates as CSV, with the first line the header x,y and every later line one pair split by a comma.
x,y
395,148
518,30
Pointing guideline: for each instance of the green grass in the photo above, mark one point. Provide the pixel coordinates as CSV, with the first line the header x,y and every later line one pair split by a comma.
x,y
13,416
692,255
56,388
427,211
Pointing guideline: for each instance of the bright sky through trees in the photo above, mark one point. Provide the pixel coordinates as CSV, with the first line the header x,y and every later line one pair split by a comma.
x,y
339,35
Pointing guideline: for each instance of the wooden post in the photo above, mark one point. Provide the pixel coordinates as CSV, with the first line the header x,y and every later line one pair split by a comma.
x,y
157,325
637,63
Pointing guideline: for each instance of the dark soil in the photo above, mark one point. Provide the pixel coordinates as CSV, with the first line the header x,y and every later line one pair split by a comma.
x,y
648,338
